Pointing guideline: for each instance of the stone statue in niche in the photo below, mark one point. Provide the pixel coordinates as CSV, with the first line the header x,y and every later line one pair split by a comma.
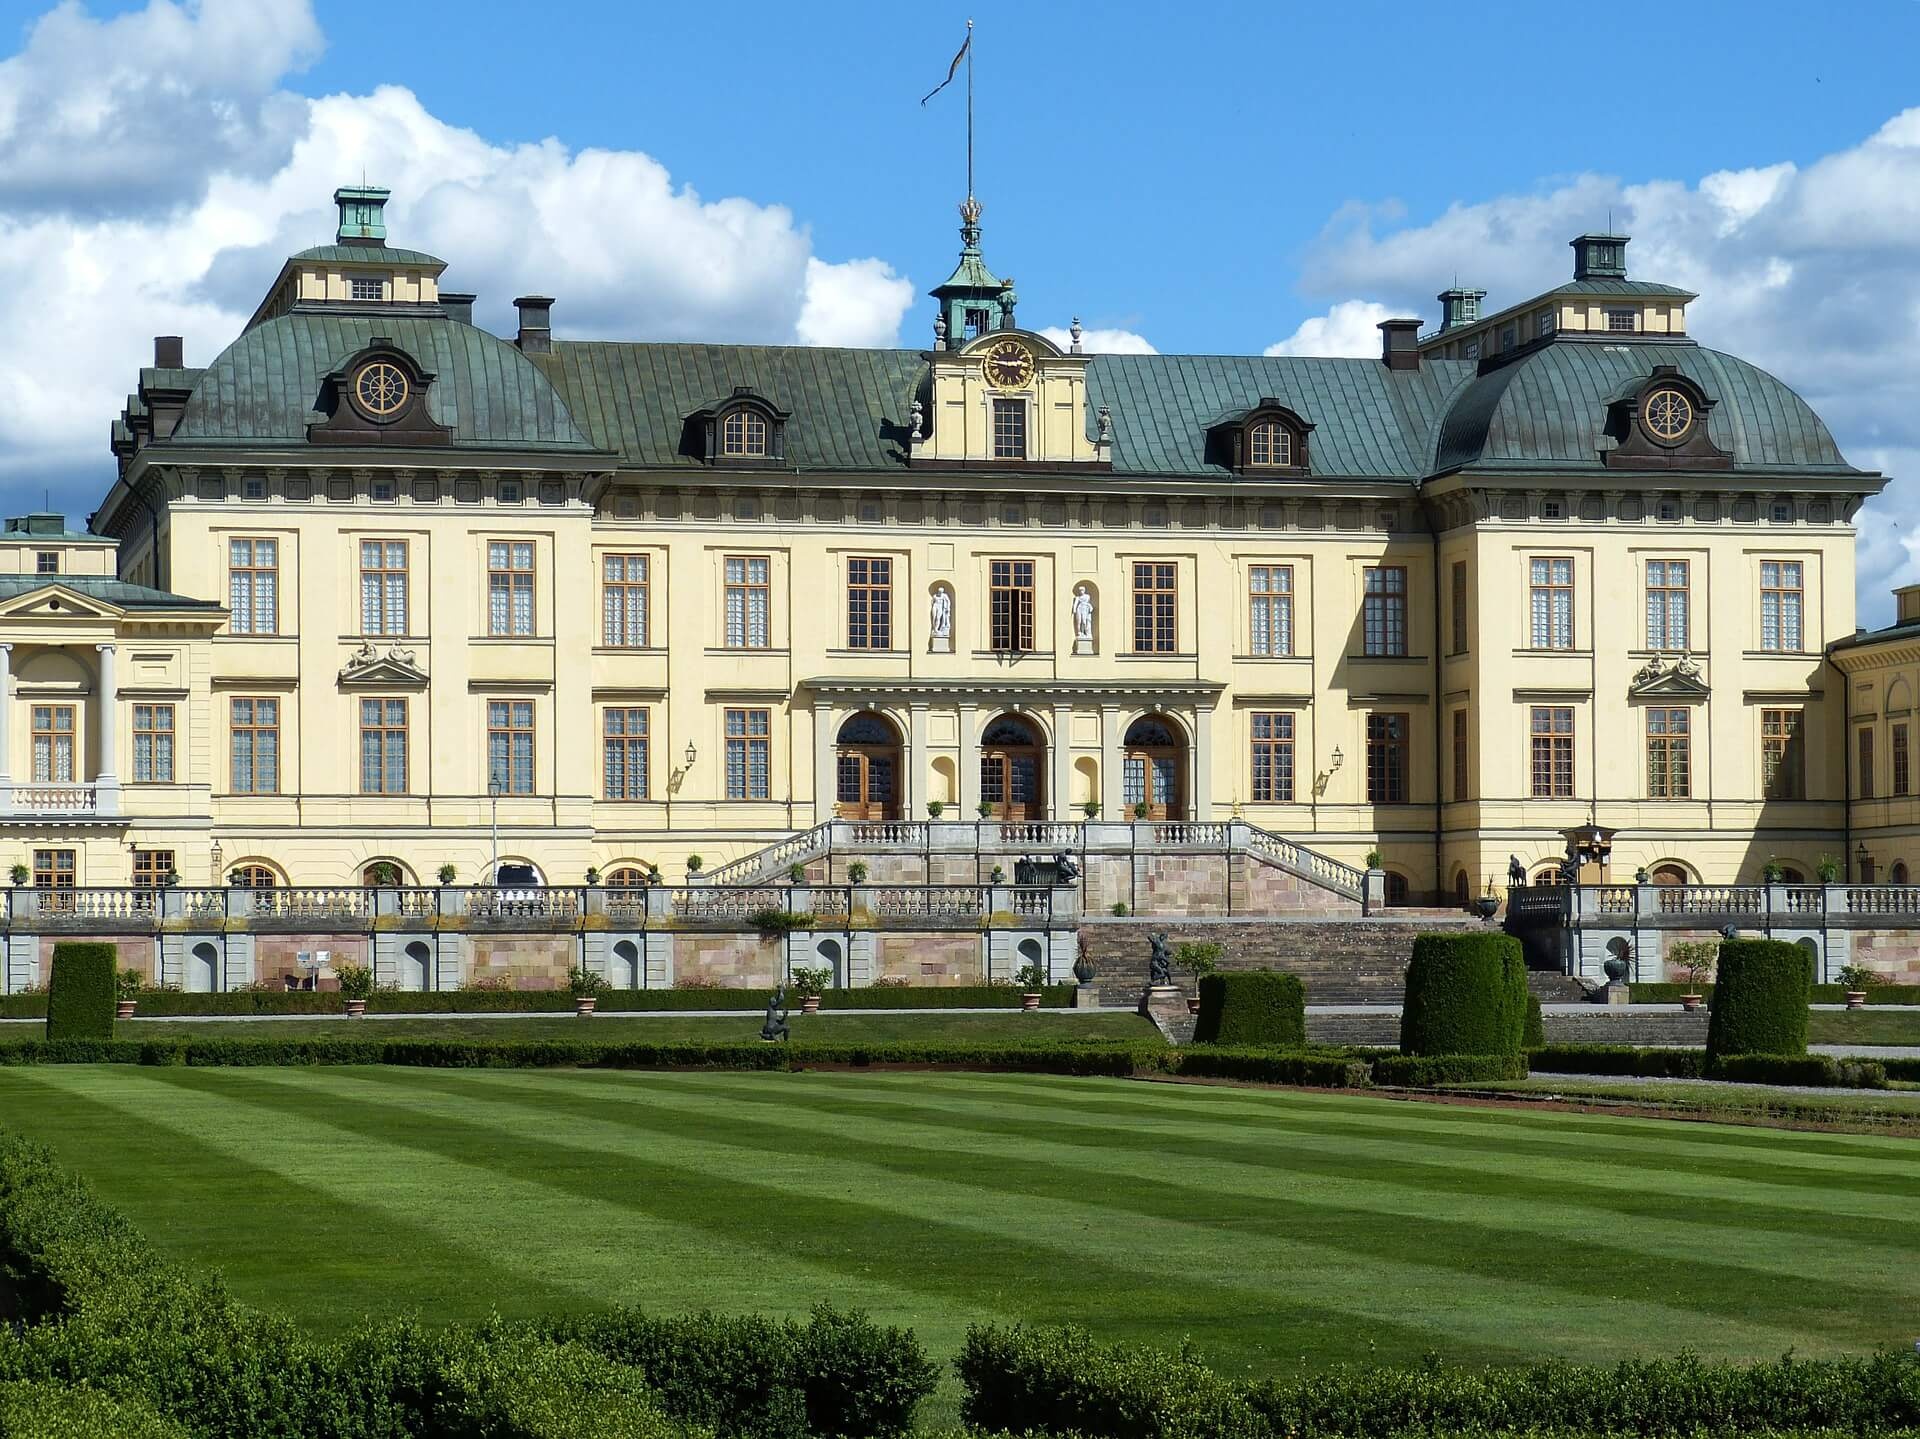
x,y
1082,620
942,618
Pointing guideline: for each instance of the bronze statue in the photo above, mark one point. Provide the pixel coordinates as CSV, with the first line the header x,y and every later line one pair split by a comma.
x,y
1516,871
1159,961
776,1022
1065,870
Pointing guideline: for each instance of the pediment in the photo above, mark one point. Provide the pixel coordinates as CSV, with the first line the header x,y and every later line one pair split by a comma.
x,y
368,668
57,602
1662,679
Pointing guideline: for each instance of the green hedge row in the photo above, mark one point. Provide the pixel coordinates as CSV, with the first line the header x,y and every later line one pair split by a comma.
x,y
1423,1071
1821,1071
1814,1070
80,994
1663,993
58,1411
1252,1007
1618,1059
1060,1381
95,1306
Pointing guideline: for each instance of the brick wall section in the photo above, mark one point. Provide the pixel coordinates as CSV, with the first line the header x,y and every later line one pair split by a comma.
x,y
276,956
1893,954
525,961
929,959
135,952
728,961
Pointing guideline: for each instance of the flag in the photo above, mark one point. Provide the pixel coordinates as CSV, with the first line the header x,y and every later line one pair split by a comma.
x,y
952,70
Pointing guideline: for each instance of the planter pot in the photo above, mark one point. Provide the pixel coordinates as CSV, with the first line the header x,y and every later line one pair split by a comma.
x,y
1690,1002
583,1005
1030,999
1615,969
355,1007
1856,999
1193,1004
123,1008
809,1004
1486,906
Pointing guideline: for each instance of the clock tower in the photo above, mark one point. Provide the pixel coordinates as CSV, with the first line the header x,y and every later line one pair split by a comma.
x,y
973,301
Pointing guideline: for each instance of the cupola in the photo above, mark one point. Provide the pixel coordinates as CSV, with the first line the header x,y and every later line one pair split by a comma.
x,y
363,218
972,301
1459,307
1599,257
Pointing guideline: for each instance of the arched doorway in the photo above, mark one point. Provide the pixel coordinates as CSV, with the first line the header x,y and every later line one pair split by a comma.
x,y
252,875
1013,769
1668,874
203,969
1463,890
1031,952
1153,769
626,965
867,768
1396,895
416,967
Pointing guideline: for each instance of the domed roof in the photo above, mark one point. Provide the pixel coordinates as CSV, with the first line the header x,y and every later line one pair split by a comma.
x,y
367,255
1549,408
264,386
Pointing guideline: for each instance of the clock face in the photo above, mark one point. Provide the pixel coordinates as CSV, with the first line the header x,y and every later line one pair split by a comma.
x,y
1009,365
380,388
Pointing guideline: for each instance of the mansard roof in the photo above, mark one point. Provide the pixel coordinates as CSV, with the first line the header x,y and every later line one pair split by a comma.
x,y
106,589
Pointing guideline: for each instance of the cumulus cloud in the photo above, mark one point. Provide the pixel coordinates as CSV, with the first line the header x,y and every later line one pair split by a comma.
x,y
1811,272
1101,342
1351,327
628,251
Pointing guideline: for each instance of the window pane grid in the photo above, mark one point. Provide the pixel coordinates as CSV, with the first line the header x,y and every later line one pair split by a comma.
x,y
749,753
1010,605
623,601
1551,594
153,744
53,744
1902,762
1272,739
1153,608
869,604
383,746
1270,603
1387,758
1667,604
1669,753
255,727
1384,614
510,745
1552,730
1781,601
1780,753
253,587
1459,755
509,588
748,601
383,587
1459,588
624,753
1009,430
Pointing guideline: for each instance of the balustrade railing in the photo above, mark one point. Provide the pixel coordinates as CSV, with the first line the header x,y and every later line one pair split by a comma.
x,y
929,901
336,903
547,905
1710,899
1615,898
1041,834
733,902
41,798
892,834
1902,899
1309,864
808,844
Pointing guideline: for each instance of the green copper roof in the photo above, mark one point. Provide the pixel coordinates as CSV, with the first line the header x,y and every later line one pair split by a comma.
x,y
1549,408
1368,421
265,384
368,255
852,409
1619,287
104,588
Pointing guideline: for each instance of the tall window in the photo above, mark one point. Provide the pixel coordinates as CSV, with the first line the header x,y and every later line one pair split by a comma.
x,y
1270,601
623,601
1386,759
1669,753
1666,604
253,587
1552,730
510,746
153,744
749,754
1009,429
749,601
510,587
623,752
1272,757
1781,598
1551,603
1010,604
1781,760
383,746
1459,607
151,867
744,433
1902,762
383,587
53,744
1863,770
53,869
256,745
1384,611
1270,444
1153,608
869,604
1459,755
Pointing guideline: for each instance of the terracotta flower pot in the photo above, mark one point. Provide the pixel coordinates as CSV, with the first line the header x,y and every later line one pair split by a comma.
x,y
1856,999
1030,999
583,1005
1690,1002
355,1007
123,1008
809,1004
1193,1004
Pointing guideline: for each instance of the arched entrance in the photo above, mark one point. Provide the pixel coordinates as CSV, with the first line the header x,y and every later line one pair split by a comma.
x,y
1667,874
867,768
416,967
1153,770
1013,769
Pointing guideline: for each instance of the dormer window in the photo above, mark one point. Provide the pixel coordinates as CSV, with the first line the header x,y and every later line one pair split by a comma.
x,y
367,287
1269,445
1267,439
743,434
745,430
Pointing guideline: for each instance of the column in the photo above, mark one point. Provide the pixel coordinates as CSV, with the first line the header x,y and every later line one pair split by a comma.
x,y
1062,763
106,783
825,723
1111,804
6,729
916,781
1203,761
967,777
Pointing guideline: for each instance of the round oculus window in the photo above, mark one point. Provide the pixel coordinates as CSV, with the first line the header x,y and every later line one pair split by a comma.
x,y
1668,414
381,389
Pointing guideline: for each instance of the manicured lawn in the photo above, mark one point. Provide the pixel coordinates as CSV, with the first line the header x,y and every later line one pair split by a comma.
x,y
1275,1228
852,1027
1898,1107
1888,1024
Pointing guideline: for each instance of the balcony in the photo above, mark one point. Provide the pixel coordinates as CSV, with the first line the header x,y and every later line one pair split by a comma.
x,y
70,800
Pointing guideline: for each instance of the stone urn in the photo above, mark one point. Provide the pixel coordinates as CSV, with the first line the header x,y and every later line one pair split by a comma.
x,y
1486,906
1030,999
1083,969
1856,999
809,1004
356,1008
1615,968
583,1005
1193,1004
123,1008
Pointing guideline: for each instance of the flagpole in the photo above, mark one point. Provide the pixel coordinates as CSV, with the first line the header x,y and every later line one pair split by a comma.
x,y
969,107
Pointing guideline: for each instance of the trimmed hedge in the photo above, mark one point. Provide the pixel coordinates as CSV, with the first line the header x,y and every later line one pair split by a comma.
x,y
1021,1379
82,990
1618,1059
1258,1006
1759,1004
1466,994
1817,1070
1533,1034
1423,1071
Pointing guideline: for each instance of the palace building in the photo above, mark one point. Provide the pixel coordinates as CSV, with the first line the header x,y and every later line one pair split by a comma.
x,y
376,587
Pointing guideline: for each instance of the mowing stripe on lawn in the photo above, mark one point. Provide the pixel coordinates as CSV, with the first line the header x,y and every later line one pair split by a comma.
x,y
1477,1254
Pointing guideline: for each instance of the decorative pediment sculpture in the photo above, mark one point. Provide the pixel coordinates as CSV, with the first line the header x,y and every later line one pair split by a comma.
x,y
1663,677
368,668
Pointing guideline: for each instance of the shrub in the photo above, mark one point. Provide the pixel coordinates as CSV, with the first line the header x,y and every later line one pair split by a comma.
x,y
1819,1070
128,983
1466,994
1257,1007
356,981
82,991
1534,1034
1197,958
1759,1004
811,980
1695,958
774,920
796,873
582,981
1617,1059
857,872
1030,978
60,1411
1858,977
1423,1071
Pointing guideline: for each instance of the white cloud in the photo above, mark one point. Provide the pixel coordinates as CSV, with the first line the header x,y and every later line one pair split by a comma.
x,y
626,251
1101,342
1351,327
1810,272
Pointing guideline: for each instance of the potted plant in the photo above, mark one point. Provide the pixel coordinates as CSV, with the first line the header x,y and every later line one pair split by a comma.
x,y
810,984
693,864
21,874
796,873
1771,872
1828,869
356,988
585,986
1198,958
126,993
385,875
999,876
1488,904
936,808
857,872
1373,859
1119,909
984,808
1695,958
1141,809
446,874
593,875
653,874
1091,809
1857,979
1032,979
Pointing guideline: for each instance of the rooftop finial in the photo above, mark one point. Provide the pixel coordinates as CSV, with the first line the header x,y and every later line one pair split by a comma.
x,y
1074,330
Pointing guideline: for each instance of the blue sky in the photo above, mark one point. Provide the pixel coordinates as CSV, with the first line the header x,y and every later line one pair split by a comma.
x,y
1232,178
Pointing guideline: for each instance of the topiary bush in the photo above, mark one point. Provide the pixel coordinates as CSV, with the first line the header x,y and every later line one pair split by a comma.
x,y
1760,1000
1534,1035
82,991
1255,1007
1466,994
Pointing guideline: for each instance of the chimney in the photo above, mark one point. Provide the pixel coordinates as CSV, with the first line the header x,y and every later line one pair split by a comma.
x,y
1907,602
362,215
1400,344
1459,307
169,353
458,307
536,324
1599,257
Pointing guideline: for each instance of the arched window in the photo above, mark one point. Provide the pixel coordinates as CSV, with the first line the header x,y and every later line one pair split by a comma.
x,y
1668,874
1269,444
1012,770
1396,888
252,876
744,433
382,874
1463,890
1152,769
626,877
867,768
1898,874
